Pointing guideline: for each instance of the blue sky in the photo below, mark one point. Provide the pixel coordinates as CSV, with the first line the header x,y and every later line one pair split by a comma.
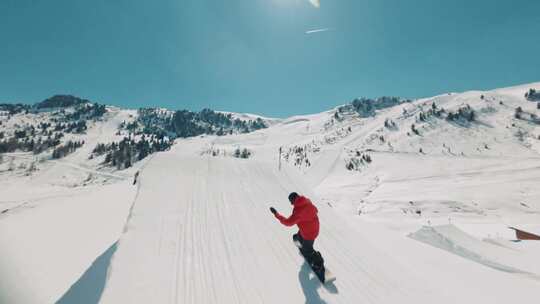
x,y
255,56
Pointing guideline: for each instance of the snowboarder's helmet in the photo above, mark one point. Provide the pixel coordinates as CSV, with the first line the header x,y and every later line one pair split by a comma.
x,y
292,197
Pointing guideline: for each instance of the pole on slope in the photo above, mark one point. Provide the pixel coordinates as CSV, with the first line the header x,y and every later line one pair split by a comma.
x,y
279,159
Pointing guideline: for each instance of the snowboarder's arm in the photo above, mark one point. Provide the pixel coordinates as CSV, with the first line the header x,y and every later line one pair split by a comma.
x,y
290,221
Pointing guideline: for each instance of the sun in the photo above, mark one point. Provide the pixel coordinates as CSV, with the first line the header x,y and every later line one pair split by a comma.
x,y
316,3
288,3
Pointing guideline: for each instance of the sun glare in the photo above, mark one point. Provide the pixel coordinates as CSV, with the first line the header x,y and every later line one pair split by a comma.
x,y
315,3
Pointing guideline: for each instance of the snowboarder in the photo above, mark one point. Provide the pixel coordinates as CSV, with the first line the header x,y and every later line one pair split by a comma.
x,y
305,217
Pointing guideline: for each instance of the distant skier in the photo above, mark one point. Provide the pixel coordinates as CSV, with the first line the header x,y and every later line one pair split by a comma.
x,y
305,217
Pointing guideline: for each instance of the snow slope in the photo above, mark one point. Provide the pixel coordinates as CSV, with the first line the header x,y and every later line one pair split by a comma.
x,y
56,221
47,244
201,232
410,226
204,235
486,252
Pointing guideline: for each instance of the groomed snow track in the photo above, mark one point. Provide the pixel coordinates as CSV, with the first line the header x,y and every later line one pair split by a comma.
x,y
200,232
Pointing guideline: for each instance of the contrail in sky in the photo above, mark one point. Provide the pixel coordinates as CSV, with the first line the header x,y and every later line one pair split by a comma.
x,y
317,31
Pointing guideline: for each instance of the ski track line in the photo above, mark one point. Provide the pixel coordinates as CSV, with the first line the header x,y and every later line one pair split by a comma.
x,y
23,204
265,223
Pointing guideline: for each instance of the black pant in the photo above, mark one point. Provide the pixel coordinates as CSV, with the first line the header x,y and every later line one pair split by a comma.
x,y
313,257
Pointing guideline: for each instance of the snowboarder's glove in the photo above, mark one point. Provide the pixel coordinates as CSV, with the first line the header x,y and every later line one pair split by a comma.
x,y
273,210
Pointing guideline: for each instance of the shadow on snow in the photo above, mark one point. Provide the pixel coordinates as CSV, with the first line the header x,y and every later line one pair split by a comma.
x,y
89,287
310,284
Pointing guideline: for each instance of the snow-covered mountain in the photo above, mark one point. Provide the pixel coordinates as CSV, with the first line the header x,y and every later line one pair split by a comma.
x,y
415,199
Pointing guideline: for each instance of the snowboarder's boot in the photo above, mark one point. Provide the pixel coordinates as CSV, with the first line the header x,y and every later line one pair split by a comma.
x,y
316,262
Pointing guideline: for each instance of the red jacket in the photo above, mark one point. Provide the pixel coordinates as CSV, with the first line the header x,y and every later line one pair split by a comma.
x,y
305,216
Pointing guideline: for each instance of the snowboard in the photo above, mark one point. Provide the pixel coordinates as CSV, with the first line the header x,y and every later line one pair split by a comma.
x,y
325,276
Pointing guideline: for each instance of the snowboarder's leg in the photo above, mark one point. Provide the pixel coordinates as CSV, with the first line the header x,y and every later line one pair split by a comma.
x,y
297,240
314,258
306,249
305,246
317,260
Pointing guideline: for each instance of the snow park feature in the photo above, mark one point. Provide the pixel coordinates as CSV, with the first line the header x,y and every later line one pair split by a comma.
x,y
414,201
524,235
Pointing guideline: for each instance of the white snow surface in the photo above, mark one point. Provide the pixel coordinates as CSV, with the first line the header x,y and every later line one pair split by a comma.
x,y
409,227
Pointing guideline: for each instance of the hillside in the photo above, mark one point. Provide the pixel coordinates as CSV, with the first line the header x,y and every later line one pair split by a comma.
x,y
415,198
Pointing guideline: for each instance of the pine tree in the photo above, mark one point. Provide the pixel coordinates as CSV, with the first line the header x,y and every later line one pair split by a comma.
x,y
518,112
108,158
415,131
11,165
245,153
237,153
472,116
